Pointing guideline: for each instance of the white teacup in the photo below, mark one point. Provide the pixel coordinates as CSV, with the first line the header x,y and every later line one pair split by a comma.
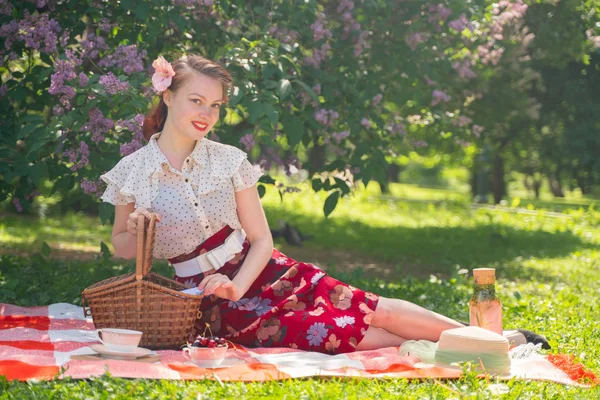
x,y
125,340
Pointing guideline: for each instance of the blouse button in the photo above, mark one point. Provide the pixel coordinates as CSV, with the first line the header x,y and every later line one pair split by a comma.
x,y
196,204
186,180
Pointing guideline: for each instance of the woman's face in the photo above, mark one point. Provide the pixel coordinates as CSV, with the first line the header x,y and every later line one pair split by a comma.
x,y
194,108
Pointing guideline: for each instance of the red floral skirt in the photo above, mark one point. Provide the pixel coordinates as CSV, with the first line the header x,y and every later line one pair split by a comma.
x,y
291,304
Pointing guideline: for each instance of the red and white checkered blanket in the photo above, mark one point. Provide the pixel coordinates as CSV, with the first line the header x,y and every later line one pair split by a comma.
x,y
38,342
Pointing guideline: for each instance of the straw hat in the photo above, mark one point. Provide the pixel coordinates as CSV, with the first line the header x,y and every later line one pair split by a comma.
x,y
487,350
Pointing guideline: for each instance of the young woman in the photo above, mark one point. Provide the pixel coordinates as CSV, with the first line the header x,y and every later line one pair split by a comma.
x,y
212,229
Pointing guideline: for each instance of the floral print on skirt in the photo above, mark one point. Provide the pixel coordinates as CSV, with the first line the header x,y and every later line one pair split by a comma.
x,y
290,304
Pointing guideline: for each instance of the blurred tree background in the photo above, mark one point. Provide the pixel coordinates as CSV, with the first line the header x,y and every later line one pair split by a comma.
x,y
487,96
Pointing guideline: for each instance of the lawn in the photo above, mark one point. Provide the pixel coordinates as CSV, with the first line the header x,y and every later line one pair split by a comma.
x,y
414,243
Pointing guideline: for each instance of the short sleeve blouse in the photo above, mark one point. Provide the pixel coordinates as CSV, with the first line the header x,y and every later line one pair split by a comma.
x,y
193,203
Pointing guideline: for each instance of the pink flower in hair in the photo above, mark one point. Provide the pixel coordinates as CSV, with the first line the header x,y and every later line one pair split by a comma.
x,y
163,74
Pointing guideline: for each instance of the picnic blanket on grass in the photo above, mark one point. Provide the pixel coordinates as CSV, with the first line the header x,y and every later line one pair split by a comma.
x,y
52,341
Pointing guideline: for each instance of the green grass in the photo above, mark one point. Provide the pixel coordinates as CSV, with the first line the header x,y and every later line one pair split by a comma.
x,y
415,249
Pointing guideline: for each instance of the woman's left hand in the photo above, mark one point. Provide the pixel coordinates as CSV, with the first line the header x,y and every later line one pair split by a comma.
x,y
221,286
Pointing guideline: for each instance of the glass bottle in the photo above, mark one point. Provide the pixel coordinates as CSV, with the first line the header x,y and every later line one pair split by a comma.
x,y
485,309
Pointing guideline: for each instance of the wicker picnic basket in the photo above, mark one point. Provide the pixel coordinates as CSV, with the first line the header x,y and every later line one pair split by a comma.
x,y
143,300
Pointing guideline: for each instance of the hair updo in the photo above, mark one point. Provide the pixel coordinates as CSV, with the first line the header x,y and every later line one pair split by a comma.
x,y
183,67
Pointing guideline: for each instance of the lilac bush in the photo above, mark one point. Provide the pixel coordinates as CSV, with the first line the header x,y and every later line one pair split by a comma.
x,y
350,84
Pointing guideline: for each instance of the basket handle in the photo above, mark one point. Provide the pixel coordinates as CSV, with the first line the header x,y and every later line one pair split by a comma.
x,y
145,246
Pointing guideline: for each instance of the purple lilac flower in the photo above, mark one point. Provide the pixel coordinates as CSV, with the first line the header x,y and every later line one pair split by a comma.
x,y
83,79
293,161
127,58
232,23
397,128
338,136
82,154
464,69
248,141
344,5
376,100
33,195
97,124
112,84
135,126
318,28
58,110
366,123
318,56
462,120
64,72
316,333
17,204
5,7
414,39
326,117
362,43
37,30
104,25
317,89
283,35
420,143
462,143
89,186
460,24
92,45
477,130
439,12
438,96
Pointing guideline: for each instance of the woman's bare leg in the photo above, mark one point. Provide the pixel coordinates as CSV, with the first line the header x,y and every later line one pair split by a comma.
x,y
410,321
376,338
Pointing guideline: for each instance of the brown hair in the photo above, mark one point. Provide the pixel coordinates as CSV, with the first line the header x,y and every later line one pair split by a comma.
x,y
185,65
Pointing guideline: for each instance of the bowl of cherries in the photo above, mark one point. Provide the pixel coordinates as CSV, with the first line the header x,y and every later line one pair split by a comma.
x,y
206,352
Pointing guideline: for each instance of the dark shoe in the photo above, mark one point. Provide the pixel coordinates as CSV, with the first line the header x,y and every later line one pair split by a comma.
x,y
534,338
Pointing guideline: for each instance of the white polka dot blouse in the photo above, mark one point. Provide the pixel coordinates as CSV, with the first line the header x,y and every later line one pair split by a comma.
x,y
193,203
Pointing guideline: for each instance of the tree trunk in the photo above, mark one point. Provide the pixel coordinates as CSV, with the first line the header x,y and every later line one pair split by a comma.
x,y
537,184
316,157
498,183
581,183
555,185
391,176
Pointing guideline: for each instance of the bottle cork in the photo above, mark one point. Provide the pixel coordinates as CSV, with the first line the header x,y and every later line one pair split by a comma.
x,y
484,276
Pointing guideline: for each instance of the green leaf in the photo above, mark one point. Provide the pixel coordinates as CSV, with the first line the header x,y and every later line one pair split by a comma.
x,y
261,190
308,90
105,251
63,184
141,10
38,172
46,250
267,179
317,184
331,203
232,117
256,110
271,113
106,213
294,129
342,185
285,89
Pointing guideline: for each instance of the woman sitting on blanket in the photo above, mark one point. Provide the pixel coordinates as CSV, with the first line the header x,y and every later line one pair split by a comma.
x,y
212,229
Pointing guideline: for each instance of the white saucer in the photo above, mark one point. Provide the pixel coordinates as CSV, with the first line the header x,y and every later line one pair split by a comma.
x,y
123,355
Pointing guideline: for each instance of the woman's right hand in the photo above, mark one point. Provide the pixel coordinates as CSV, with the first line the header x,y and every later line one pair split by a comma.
x,y
132,220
